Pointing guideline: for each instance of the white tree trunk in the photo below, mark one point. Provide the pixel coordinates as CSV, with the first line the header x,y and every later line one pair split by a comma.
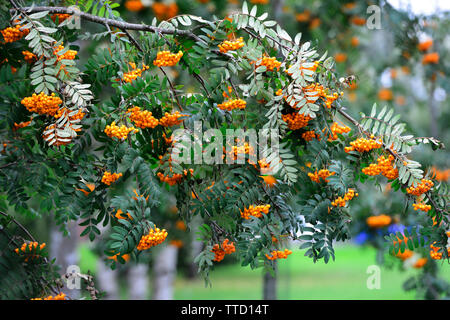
x,y
138,282
107,281
164,272
64,249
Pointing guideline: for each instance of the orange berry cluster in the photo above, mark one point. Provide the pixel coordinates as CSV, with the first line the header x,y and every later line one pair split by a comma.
x,y
320,92
421,206
60,296
423,187
29,57
340,202
271,63
134,5
405,255
142,119
23,124
309,135
121,132
153,238
232,104
31,250
337,129
42,103
119,215
61,17
69,55
12,34
295,120
173,119
432,57
379,221
109,177
277,254
323,173
255,211
244,149
128,77
440,175
164,11
434,254
225,94
180,225
363,145
221,251
420,263
383,166
174,179
167,59
228,45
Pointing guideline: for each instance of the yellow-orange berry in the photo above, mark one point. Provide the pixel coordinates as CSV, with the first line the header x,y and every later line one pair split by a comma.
x,y
121,132
12,34
128,77
142,119
379,221
152,238
323,173
255,211
167,59
109,177
341,202
295,120
173,119
42,103
423,187
277,254
232,104
221,250
231,45
364,145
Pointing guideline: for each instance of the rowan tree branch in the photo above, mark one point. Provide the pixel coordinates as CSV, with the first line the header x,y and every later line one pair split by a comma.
x,y
113,23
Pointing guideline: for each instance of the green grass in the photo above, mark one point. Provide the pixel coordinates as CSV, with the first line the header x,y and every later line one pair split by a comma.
x,y
298,278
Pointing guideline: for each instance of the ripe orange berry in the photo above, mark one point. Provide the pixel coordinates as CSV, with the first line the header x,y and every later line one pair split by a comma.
x,y
109,177
128,77
42,103
232,104
231,45
255,211
167,59
277,254
295,120
142,119
323,173
153,238
12,34
121,132
379,221
169,120
221,250
423,187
